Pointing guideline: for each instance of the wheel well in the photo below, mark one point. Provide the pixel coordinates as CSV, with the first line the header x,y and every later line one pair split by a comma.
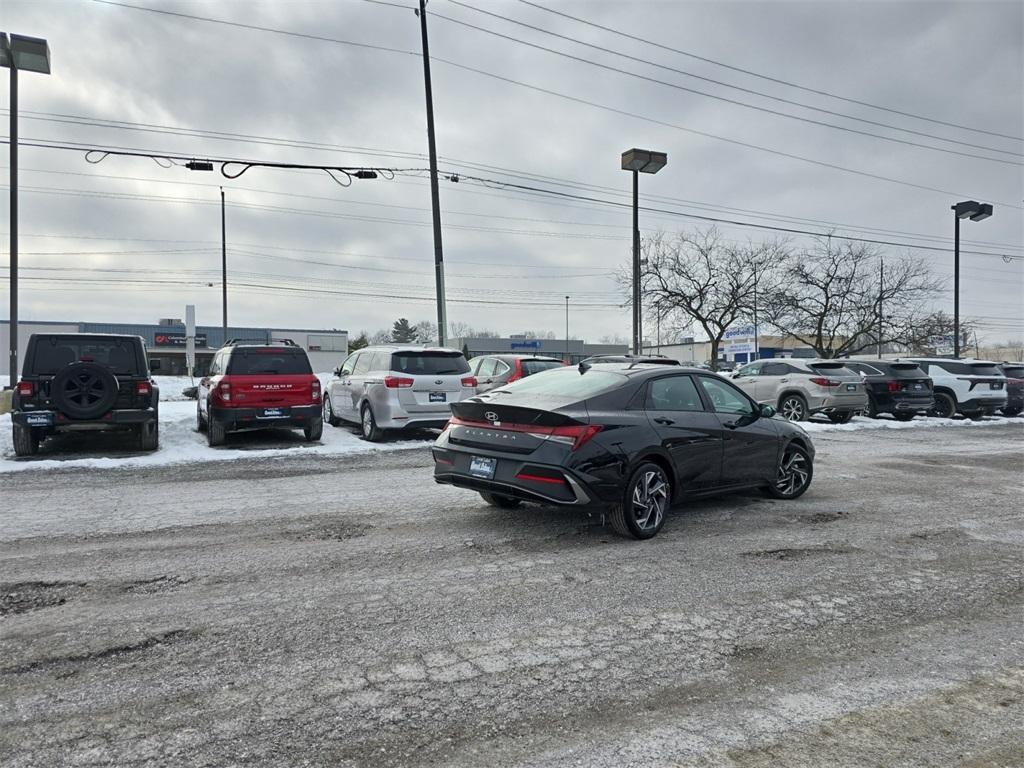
x,y
798,441
665,464
945,391
789,392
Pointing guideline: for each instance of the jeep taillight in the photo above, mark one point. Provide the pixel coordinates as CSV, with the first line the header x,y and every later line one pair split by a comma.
x,y
316,389
143,388
397,382
224,391
25,388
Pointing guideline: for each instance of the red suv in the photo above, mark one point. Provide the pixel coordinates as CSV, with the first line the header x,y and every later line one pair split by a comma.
x,y
258,386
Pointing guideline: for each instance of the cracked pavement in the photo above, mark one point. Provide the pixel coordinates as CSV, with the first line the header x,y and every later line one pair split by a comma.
x,y
308,611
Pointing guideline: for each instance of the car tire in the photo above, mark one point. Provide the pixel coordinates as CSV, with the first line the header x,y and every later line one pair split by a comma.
x,y
149,436
793,408
648,493
841,418
368,426
26,441
314,431
945,406
872,410
903,416
499,501
215,433
1014,411
329,416
793,474
200,421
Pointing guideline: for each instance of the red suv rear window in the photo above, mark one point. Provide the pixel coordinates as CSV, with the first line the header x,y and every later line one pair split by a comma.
x,y
268,361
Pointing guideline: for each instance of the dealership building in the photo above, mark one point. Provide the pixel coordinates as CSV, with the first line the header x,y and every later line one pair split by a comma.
x,y
165,341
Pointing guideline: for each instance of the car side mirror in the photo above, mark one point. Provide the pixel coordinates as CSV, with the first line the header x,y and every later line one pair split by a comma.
x,y
735,375
767,411
154,365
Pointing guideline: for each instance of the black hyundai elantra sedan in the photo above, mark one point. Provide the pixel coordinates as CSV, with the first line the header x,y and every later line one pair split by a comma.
x,y
633,439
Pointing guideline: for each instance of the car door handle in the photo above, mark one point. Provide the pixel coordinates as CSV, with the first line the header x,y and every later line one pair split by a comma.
x,y
663,420
730,425
784,380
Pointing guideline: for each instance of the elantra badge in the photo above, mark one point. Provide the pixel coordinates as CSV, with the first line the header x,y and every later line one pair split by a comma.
x,y
491,416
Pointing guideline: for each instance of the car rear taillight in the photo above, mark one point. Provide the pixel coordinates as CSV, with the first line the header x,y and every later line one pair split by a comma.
x,y
398,382
25,388
531,477
517,372
469,381
143,388
821,381
224,391
577,436
316,389
895,386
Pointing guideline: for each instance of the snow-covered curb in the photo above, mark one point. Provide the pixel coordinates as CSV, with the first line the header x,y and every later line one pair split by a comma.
x,y
862,422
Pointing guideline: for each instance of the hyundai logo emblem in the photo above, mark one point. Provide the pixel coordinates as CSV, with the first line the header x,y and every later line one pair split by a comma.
x,y
439,381
491,416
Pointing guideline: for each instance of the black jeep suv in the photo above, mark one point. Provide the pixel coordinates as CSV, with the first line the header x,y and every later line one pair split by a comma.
x,y
82,382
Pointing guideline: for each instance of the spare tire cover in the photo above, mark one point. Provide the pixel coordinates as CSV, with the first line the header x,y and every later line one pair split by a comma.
x,y
84,390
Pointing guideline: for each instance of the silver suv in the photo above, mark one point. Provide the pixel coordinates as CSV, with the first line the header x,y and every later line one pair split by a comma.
x,y
802,388
397,387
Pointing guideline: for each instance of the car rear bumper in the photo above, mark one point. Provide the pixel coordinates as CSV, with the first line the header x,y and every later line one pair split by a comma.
x,y
908,404
57,421
984,404
839,403
294,416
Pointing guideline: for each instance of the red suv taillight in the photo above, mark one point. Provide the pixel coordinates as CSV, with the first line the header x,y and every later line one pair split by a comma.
x,y
25,388
143,388
895,386
469,381
821,381
224,391
398,382
316,389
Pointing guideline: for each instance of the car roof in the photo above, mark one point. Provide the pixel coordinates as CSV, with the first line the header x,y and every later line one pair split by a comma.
x,y
968,360
63,334
640,368
513,356
407,348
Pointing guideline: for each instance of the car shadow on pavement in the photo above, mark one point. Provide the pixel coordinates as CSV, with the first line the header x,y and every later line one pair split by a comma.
x,y
87,445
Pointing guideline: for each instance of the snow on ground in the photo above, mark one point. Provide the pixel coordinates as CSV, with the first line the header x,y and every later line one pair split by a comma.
x,y
884,422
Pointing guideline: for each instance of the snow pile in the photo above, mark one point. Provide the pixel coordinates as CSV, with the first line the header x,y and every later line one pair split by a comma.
x,y
862,422
180,443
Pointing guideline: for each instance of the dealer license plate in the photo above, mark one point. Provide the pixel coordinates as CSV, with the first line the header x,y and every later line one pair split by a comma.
x,y
918,385
996,385
480,466
39,419
274,413
851,387
438,397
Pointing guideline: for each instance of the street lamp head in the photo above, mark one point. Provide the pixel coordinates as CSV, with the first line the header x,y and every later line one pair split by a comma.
x,y
972,209
29,54
983,212
643,160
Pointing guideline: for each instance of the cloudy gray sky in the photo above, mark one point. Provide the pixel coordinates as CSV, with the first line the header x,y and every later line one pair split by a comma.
x,y
304,251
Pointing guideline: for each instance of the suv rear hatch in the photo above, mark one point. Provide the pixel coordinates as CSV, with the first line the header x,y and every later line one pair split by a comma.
x,y
907,380
838,381
428,380
261,377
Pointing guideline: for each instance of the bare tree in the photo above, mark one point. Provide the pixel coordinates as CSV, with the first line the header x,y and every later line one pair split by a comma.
x,y
834,297
701,279
929,334
426,332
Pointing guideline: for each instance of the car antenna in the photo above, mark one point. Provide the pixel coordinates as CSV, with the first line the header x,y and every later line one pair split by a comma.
x,y
584,367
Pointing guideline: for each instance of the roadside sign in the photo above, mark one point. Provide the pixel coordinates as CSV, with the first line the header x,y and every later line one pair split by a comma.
x,y
745,347
740,332
525,345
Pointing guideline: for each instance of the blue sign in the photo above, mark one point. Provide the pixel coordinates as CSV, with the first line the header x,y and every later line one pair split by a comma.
x,y
525,345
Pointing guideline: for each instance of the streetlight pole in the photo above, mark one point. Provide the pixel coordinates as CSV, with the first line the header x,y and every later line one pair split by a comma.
x,y
975,211
568,357
223,267
33,55
435,201
639,161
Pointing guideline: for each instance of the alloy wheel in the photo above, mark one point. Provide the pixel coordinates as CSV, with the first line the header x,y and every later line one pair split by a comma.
x,y
793,472
650,499
367,423
327,409
792,409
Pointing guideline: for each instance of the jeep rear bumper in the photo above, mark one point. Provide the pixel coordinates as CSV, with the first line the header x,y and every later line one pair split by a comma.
x,y
57,421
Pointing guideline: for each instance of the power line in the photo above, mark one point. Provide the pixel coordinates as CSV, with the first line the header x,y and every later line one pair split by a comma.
x,y
717,97
736,142
761,76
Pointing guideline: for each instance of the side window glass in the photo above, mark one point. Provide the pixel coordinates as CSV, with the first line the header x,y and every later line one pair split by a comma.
x,y
474,365
751,370
725,399
349,365
775,369
362,364
673,393
500,368
487,367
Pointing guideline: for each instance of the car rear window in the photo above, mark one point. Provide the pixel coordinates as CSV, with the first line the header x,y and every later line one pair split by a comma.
x,y
838,370
969,369
531,367
52,353
567,383
269,361
1013,372
429,363
907,371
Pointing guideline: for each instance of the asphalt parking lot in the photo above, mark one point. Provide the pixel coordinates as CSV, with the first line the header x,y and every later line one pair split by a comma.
x,y
347,611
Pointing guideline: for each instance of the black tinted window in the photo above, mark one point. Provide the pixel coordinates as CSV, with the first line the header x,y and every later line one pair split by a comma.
x,y
775,369
531,367
272,361
429,363
54,352
568,383
673,393
1013,372
724,397
969,369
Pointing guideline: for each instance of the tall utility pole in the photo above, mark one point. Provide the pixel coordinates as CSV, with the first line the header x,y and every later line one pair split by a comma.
x,y
435,201
13,327
975,211
568,357
638,331
223,268
881,291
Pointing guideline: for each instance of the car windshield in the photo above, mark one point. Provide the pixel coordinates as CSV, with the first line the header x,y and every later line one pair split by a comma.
x,y
429,363
531,367
566,382
54,352
272,361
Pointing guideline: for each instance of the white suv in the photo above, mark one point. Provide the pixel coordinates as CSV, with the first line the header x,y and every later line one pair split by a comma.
x,y
971,387
397,387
